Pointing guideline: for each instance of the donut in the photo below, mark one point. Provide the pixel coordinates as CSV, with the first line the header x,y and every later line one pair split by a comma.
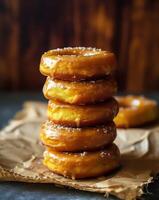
x,y
78,63
77,139
82,116
82,165
79,93
135,111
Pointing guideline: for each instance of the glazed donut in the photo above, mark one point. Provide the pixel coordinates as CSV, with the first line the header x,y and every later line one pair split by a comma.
x,y
135,111
79,93
77,139
82,116
82,165
78,63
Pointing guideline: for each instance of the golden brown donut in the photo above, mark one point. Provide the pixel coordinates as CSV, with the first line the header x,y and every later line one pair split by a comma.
x,y
79,93
77,139
81,116
135,111
83,165
78,63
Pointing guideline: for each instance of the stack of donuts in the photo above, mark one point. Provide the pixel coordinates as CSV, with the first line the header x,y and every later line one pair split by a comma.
x,y
79,132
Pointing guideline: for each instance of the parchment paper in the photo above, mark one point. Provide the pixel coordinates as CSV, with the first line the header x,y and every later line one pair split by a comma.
x,y
21,155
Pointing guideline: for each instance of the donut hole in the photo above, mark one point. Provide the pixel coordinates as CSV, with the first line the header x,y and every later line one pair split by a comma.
x,y
76,52
68,53
124,105
127,103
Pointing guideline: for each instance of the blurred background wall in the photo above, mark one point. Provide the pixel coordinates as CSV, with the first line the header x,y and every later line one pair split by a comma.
x,y
130,28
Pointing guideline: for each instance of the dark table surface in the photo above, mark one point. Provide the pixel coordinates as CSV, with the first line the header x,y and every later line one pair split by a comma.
x,y
10,103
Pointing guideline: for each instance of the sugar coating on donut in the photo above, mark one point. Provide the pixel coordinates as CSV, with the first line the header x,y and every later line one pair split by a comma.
x,y
107,129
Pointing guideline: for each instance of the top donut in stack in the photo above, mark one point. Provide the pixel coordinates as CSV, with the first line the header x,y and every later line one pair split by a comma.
x,y
81,108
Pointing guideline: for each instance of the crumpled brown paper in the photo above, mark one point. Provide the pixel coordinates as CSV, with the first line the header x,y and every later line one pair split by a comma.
x,y
21,155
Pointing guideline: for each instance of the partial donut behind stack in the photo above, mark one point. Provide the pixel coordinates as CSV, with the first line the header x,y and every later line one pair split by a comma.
x,y
135,111
79,132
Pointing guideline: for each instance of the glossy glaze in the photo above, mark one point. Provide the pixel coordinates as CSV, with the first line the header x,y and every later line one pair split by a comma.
x,y
82,116
75,64
83,165
77,139
79,93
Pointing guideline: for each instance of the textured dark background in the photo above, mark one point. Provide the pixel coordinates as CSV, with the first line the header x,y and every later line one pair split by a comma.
x,y
130,28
